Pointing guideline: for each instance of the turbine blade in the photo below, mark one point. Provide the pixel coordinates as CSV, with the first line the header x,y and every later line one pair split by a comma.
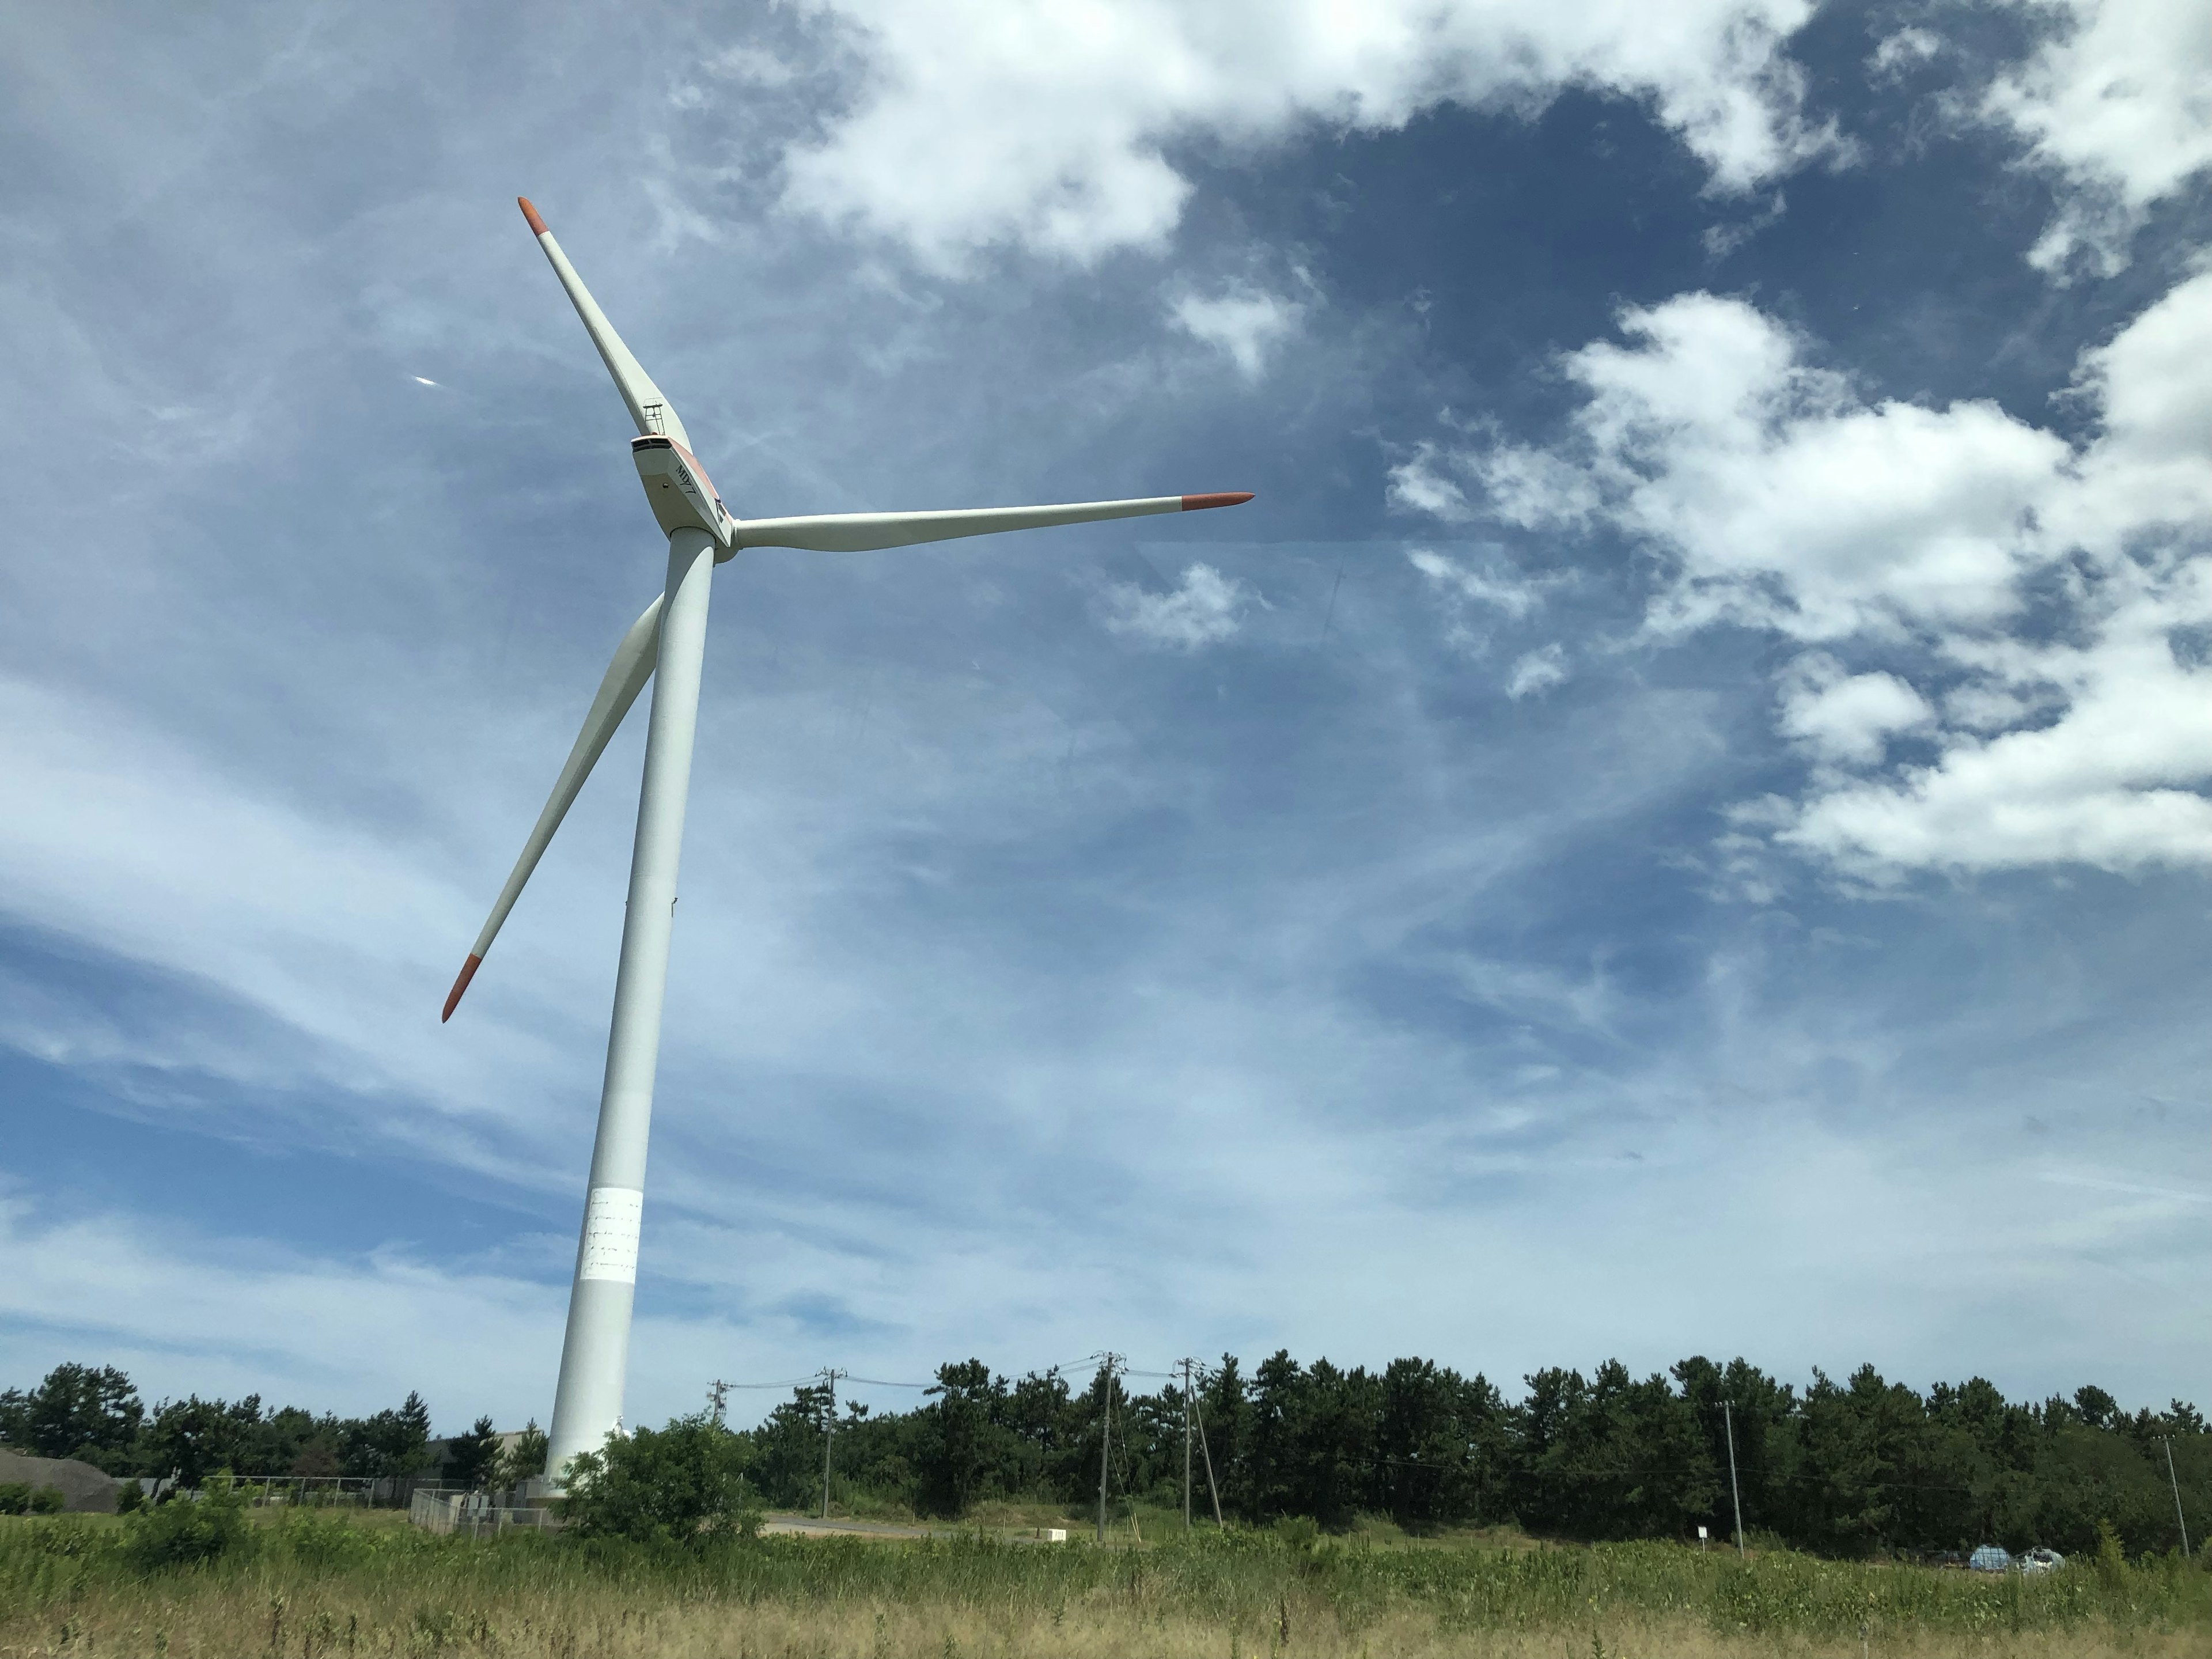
x,y
856,532
648,406
625,678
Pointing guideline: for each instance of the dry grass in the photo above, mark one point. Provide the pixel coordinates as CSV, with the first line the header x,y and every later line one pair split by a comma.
x,y
236,1620
318,1590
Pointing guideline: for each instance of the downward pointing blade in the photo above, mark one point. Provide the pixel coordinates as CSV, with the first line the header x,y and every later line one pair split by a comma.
x,y
649,407
625,678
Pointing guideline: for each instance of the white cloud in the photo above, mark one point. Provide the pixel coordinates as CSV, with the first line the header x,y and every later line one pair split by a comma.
x,y
1045,124
1424,484
1499,587
1721,240
1246,323
232,1317
1902,51
2118,105
1536,672
1848,718
1790,501
1780,497
2114,781
1201,609
1473,599
749,66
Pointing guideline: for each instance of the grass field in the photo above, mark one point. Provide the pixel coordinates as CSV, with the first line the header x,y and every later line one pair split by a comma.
x,y
321,1585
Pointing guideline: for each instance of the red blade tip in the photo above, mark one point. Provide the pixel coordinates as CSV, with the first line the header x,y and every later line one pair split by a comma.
x,y
536,224
453,997
1225,498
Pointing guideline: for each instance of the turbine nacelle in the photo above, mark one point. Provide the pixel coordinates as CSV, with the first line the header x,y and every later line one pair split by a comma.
x,y
681,495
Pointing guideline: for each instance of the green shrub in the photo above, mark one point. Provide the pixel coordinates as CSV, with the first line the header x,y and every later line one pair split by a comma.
x,y
325,1542
48,1500
128,1496
684,1483
14,1497
521,1462
2112,1561
187,1531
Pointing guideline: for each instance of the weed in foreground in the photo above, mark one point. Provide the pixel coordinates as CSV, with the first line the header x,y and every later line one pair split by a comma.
x,y
317,1588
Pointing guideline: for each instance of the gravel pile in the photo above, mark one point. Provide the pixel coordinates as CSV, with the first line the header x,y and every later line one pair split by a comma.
x,y
85,1490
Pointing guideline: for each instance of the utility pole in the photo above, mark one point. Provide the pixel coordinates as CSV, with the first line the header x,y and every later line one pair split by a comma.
x,y
1105,1440
718,1397
1736,1496
1186,1445
1205,1451
829,1430
2175,1482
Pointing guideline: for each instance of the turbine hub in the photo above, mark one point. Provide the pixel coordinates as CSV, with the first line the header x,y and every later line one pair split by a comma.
x,y
681,495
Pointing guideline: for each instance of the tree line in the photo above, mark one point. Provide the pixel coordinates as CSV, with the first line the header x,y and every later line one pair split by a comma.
x,y
1856,1467
93,1412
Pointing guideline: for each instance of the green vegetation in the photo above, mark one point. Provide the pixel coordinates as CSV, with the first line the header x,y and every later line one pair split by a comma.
x,y
521,1461
314,1583
187,1534
1858,1468
684,1485
1861,1468
92,1412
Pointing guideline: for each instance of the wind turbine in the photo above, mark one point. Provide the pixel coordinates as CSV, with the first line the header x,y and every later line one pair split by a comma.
x,y
672,637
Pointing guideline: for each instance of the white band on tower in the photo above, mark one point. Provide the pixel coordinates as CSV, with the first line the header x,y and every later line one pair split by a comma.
x,y
612,1217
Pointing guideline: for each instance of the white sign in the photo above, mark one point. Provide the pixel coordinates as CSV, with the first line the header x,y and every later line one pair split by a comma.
x,y
1701,1532
611,1216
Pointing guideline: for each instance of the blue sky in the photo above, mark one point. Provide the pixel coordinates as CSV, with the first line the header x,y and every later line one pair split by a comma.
x,y
1676,823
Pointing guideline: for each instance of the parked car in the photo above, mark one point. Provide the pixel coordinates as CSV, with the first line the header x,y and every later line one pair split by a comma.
x,y
1991,1558
2040,1559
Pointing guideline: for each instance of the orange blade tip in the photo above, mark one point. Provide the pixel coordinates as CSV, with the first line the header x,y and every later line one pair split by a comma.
x,y
1225,498
453,997
536,224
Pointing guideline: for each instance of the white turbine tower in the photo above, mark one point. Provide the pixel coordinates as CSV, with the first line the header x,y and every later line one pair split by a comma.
x,y
672,636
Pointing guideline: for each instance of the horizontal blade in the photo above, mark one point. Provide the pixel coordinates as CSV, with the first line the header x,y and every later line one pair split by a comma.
x,y
648,406
626,677
857,532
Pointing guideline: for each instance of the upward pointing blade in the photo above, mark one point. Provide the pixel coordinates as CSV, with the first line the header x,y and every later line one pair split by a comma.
x,y
625,678
648,406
